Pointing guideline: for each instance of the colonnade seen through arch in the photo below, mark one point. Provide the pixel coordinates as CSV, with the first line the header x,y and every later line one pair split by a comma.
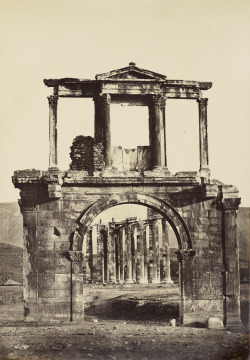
x,y
129,251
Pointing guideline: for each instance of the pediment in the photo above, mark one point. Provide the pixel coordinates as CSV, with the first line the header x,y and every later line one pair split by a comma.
x,y
131,72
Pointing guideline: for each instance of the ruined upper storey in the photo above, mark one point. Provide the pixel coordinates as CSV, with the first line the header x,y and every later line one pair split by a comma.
x,y
131,86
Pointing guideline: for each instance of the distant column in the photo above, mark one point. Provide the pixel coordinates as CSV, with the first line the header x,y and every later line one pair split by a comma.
x,y
102,125
203,133
94,255
134,251
150,260
53,100
123,236
146,250
157,131
128,257
156,258
118,256
140,255
166,254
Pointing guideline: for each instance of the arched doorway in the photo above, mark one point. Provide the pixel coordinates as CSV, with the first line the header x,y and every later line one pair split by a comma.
x,y
169,213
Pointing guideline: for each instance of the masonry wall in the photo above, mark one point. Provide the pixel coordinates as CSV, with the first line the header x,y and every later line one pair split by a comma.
x,y
49,229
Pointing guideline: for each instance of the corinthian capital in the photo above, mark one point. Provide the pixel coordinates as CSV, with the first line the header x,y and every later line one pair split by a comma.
x,y
159,100
202,101
102,99
53,99
231,203
185,254
75,255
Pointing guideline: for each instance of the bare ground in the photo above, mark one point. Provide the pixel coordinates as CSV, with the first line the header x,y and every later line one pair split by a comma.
x,y
131,331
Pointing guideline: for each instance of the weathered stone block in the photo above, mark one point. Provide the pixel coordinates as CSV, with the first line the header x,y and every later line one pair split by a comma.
x,y
215,323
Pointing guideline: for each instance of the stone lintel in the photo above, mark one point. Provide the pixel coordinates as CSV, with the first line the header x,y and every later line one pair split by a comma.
x,y
229,191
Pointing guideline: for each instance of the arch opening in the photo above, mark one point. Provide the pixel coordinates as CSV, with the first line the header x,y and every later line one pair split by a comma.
x,y
129,254
168,212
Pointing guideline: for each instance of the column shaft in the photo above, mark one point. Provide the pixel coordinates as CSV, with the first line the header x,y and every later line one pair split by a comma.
x,y
203,133
166,254
157,131
53,131
134,251
102,125
123,236
128,256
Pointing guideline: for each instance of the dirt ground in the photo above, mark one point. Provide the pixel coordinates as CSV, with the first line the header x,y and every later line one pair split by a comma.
x,y
120,323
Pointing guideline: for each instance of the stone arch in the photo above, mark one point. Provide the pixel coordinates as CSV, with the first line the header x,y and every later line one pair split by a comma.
x,y
153,202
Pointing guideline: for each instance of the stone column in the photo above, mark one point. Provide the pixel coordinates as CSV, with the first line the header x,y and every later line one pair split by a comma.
x,y
128,256
53,99
203,136
150,260
94,255
105,254
102,125
134,251
140,255
99,254
145,249
231,263
156,258
166,254
90,259
118,257
123,236
157,131
87,258
112,263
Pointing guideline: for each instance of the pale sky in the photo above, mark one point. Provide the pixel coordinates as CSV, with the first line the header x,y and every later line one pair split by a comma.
x,y
182,39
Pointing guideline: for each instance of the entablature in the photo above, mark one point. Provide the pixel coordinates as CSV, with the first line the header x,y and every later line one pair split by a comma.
x,y
89,88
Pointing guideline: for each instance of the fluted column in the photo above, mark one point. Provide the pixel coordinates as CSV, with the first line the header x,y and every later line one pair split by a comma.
x,y
203,138
53,100
102,125
157,131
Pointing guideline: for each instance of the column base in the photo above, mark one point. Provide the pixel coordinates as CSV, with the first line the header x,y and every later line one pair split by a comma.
x,y
129,281
158,171
234,325
142,281
204,173
167,281
53,168
155,281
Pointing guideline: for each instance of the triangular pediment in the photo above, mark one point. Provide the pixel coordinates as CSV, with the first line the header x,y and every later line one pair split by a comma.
x,y
131,72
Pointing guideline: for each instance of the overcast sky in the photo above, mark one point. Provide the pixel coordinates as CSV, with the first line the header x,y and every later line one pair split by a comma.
x,y
182,39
